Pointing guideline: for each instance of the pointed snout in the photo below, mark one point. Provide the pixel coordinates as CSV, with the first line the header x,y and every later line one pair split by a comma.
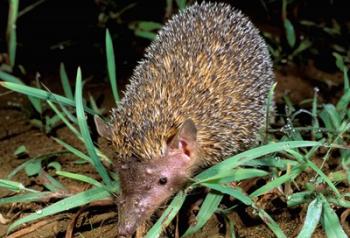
x,y
130,215
126,230
127,223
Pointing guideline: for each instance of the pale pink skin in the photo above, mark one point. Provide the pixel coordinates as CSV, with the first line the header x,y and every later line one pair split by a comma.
x,y
148,184
147,191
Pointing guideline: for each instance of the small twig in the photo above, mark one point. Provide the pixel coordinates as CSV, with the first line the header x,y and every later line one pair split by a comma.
x,y
122,11
34,227
343,221
140,231
269,104
6,93
177,232
29,8
4,220
72,223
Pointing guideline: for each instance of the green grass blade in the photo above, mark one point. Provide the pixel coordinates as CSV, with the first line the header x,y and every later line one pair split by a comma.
x,y
333,115
231,228
309,163
233,192
330,221
12,79
12,17
73,150
342,105
272,161
297,156
328,124
94,106
278,181
298,198
85,131
111,66
290,106
11,30
312,218
55,165
271,223
21,150
51,183
290,33
209,206
9,78
181,4
145,34
339,61
167,216
69,115
12,47
149,25
251,154
79,177
33,168
76,133
51,123
28,197
327,121
346,79
11,185
64,205
304,45
323,176
340,202
235,175
269,107
14,186
20,167
338,176
65,121
40,157
41,94
145,29
315,124
65,82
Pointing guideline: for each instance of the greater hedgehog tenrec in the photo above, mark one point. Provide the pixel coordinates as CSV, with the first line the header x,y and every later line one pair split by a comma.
x,y
198,96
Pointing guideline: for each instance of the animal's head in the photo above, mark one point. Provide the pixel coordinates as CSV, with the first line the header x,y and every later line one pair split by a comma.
x,y
148,184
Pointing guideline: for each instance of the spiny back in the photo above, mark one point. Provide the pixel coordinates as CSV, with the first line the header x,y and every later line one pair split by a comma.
x,y
208,63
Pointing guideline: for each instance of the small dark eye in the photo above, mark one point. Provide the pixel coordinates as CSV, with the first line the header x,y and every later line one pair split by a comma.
x,y
163,181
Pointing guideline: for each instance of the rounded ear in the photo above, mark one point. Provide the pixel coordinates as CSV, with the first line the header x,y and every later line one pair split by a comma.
x,y
188,130
103,129
185,138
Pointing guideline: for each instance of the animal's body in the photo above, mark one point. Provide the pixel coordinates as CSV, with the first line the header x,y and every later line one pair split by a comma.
x,y
198,96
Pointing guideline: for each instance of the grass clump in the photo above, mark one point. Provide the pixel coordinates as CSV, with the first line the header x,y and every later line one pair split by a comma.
x,y
33,167
279,162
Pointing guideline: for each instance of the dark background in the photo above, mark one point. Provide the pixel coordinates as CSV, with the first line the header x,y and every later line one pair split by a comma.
x,y
71,32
